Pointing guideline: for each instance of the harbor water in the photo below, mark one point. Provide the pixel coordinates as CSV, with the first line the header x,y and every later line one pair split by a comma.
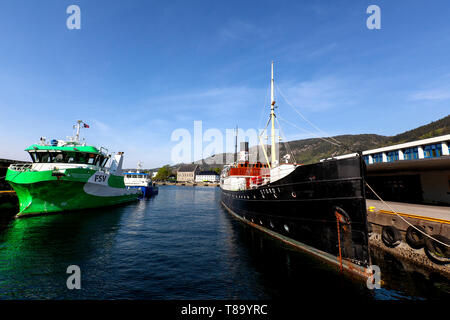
x,y
180,244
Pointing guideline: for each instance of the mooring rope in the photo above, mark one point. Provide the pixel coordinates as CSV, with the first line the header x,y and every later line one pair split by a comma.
x,y
424,233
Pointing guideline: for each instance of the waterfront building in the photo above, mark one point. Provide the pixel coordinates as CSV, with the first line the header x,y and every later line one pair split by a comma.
x,y
187,172
207,176
413,172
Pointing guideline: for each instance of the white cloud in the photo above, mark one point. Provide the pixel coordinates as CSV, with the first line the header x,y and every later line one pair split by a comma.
x,y
213,101
431,94
321,50
320,94
240,30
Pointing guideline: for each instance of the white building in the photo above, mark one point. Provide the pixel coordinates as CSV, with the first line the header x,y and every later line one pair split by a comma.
x,y
416,172
419,149
207,176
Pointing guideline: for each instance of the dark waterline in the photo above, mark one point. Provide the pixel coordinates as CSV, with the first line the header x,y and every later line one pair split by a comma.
x,y
179,245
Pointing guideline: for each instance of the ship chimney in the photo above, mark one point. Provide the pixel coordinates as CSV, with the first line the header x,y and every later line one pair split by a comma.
x,y
243,154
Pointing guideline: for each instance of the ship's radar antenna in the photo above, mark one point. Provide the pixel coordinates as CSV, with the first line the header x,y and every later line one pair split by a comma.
x,y
78,126
139,166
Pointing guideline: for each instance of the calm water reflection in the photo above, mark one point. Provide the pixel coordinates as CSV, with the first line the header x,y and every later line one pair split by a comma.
x,y
179,245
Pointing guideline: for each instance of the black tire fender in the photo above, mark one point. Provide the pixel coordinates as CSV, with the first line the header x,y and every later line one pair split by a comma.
x,y
414,238
437,252
390,236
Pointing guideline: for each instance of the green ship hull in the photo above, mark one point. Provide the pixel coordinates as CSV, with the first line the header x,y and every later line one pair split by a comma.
x,y
50,191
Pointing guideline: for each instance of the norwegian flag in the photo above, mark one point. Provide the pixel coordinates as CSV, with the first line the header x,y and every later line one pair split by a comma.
x,y
85,125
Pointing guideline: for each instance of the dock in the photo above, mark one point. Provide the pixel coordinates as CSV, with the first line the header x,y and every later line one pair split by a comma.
x,y
191,184
391,231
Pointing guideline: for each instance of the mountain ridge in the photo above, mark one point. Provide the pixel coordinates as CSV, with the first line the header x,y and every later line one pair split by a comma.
x,y
311,150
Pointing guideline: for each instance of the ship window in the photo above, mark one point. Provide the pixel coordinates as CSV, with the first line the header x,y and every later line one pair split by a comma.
x,y
97,160
100,160
91,158
33,157
58,158
45,157
82,158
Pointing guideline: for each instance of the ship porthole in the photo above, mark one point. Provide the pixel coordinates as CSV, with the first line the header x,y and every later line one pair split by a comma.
x,y
286,227
294,195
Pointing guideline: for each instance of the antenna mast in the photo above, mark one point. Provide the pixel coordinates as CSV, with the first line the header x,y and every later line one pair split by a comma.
x,y
272,117
78,125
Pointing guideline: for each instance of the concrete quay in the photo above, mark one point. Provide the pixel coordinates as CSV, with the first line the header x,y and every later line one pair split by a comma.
x,y
191,184
391,232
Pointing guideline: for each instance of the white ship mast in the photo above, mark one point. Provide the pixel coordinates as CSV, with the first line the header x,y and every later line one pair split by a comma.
x,y
78,126
272,117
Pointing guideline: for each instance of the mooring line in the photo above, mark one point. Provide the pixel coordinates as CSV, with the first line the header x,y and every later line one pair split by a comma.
x,y
424,233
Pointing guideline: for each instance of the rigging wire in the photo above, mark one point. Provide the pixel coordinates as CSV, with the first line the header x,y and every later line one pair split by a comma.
x,y
307,131
405,219
286,143
303,117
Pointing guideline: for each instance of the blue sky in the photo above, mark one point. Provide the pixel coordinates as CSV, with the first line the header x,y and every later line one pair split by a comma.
x,y
138,70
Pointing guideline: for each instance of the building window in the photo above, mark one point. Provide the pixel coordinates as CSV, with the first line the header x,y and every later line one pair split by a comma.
x,y
392,156
411,153
432,150
377,157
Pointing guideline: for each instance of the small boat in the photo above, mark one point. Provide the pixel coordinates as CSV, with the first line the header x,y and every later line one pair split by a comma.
x,y
319,207
68,175
140,180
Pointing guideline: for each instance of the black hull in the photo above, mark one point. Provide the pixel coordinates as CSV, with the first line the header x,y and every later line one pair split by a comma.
x,y
302,206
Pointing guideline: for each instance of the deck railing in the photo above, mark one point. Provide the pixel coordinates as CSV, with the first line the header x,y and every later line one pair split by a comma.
x,y
20,167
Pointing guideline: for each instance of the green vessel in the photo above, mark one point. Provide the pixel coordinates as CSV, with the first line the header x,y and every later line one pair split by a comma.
x,y
68,175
